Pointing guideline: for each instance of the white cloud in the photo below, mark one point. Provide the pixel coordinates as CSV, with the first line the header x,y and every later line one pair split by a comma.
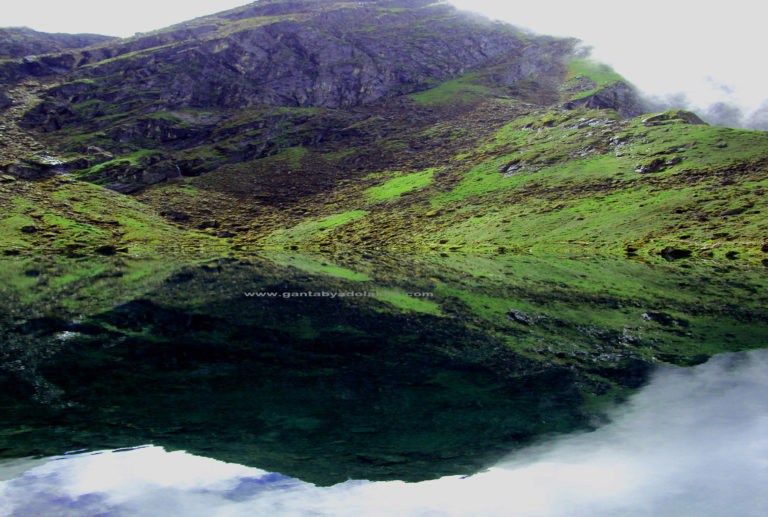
x,y
692,443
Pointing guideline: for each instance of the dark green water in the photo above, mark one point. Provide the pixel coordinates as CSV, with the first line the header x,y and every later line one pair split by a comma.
x,y
320,382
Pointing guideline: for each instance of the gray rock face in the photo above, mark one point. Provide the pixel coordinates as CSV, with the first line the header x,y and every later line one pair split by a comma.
x,y
36,66
618,96
317,56
159,172
245,83
4,101
674,116
653,165
29,170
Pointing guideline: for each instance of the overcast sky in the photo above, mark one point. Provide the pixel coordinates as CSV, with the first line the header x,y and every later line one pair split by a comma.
x,y
712,52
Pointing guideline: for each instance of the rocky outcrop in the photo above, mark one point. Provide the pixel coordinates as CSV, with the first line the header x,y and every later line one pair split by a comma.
x,y
322,55
618,96
33,167
247,83
36,66
675,116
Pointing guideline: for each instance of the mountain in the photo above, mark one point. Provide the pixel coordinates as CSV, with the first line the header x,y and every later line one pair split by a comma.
x,y
21,42
377,124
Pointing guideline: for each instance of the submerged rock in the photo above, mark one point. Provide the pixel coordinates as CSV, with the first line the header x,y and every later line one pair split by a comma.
x,y
107,249
673,253
662,318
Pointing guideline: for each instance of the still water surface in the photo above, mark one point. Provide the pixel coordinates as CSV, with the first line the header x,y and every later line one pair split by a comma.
x,y
510,386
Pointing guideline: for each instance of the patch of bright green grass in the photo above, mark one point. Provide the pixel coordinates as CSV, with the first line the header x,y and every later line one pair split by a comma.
x,y
397,186
133,158
479,180
600,73
701,146
292,156
317,265
10,231
462,89
410,303
306,230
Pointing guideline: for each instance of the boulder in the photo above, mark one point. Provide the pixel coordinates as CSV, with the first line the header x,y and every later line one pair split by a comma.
x,y
675,116
124,188
29,169
618,96
159,172
654,165
525,318
664,319
672,253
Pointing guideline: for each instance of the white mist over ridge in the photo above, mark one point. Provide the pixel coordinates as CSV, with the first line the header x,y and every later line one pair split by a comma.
x,y
691,443
683,53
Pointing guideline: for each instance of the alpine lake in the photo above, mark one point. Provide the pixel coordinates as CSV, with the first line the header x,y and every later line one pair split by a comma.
x,y
282,383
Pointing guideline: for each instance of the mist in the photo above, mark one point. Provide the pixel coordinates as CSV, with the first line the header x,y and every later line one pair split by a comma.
x,y
693,442
684,54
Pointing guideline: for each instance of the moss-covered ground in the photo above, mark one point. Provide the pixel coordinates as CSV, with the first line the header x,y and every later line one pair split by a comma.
x,y
66,216
487,175
548,181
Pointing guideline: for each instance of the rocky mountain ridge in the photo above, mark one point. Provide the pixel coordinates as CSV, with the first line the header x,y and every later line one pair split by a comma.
x,y
327,124
173,87
22,42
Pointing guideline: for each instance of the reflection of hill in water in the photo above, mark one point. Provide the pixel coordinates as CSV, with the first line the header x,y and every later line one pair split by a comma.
x,y
690,442
329,389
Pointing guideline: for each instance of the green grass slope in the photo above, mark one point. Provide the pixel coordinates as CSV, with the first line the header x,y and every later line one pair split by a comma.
x,y
569,181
